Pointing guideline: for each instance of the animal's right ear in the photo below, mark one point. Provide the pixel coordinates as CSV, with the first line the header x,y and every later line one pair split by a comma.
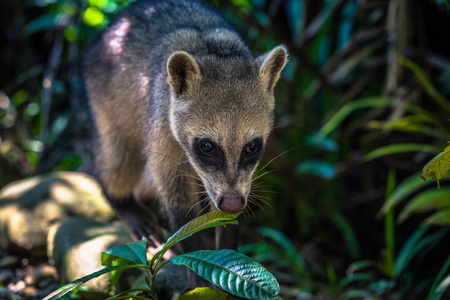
x,y
182,70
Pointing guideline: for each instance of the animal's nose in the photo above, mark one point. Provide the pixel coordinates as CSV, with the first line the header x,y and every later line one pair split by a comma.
x,y
231,205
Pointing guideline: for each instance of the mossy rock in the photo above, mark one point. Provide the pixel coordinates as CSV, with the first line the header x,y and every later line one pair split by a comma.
x,y
29,207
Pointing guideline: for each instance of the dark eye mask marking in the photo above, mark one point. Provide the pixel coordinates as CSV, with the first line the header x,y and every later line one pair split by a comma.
x,y
208,153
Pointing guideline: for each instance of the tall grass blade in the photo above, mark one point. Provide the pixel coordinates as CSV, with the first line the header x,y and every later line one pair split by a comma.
x,y
400,148
437,282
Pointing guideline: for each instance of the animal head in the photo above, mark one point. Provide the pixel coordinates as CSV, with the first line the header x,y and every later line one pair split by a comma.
x,y
221,113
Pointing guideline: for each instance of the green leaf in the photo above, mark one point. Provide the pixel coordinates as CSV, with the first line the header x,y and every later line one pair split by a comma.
x,y
286,244
359,294
413,246
400,148
437,282
440,218
442,287
426,83
346,110
438,166
322,142
402,191
426,201
134,251
316,167
231,271
46,21
201,293
212,219
347,231
74,284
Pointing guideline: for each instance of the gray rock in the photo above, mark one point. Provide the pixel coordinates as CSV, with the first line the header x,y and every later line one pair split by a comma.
x,y
76,246
39,274
10,261
29,207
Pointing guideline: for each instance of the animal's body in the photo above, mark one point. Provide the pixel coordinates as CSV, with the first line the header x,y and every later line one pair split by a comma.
x,y
178,99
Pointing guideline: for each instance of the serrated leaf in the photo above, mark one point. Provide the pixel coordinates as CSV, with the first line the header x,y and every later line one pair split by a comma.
x,y
74,284
201,293
440,218
426,201
438,166
233,272
134,251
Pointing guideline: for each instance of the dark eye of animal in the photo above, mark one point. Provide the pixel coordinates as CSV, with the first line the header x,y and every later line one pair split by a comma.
x,y
206,147
252,148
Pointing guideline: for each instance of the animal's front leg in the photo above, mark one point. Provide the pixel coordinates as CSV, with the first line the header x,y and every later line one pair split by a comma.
x,y
177,218
227,237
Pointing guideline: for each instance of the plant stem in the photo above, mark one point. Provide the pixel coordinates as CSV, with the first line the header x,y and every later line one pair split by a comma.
x,y
389,226
152,279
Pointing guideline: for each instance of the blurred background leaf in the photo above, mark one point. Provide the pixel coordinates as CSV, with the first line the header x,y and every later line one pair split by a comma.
x,y
362,106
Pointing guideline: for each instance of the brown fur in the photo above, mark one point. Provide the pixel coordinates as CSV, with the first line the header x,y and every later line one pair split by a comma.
x,y
164,77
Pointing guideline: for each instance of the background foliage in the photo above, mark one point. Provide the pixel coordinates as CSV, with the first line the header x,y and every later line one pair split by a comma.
x,y
362,106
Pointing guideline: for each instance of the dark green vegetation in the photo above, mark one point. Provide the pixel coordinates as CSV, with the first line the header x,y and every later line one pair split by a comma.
x,y
361,108
231,271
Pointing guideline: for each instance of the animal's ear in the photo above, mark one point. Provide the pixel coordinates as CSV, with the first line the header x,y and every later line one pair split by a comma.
x,y
271,65
182,70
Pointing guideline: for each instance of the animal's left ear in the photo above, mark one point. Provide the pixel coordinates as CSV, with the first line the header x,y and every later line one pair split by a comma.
x,y
271,65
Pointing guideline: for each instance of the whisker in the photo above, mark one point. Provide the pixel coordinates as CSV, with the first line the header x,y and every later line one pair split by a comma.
x,y
266,203
252,201
266,191
251,210
270,161
210,202
197,203
261,175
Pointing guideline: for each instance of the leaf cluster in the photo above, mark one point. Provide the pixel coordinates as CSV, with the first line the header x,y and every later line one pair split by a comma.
x,y
229,270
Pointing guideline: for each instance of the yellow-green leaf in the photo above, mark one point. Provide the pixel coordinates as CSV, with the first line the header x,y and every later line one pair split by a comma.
x,y
204,293
438,166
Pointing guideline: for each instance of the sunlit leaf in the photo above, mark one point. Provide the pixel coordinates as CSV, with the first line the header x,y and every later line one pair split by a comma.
x,y
201,293
93,17
426,201
231,271
98,3
438,166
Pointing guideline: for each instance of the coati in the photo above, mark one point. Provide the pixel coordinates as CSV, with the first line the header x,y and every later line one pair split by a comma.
x,y
178,99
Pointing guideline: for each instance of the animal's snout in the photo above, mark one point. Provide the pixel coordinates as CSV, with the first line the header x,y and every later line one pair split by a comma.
x,y
231,205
